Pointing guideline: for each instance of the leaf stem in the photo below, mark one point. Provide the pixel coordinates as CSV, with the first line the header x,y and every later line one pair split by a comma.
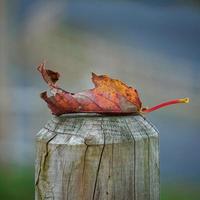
x,y
175,101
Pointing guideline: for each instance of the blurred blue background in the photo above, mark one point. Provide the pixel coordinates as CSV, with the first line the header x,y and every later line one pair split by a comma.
x,y
151,45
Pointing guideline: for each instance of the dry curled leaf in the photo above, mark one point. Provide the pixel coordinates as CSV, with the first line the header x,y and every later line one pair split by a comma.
x,y
109,96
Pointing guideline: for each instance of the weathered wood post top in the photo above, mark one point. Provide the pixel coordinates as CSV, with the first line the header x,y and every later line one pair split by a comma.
x,y
97,157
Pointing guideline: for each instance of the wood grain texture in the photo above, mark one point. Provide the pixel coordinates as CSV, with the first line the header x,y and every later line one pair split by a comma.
x,y
95,157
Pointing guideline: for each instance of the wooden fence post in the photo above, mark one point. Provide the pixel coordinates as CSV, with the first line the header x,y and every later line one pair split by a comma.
x,y
95,157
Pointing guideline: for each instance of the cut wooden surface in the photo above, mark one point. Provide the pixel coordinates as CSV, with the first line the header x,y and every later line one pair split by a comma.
x,y
95,157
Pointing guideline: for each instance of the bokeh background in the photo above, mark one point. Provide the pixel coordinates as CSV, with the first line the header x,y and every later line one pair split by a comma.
x,y
151,45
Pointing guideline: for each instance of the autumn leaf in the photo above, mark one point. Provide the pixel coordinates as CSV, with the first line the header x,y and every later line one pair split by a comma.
x,y
49,76
109,96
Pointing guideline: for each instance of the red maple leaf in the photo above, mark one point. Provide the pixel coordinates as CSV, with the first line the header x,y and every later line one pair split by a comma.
x,y
109,96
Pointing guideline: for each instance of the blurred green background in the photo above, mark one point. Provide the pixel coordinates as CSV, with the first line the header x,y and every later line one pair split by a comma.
x,y
151,45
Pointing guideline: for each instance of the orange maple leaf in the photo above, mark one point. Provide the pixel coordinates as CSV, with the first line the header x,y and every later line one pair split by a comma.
x,y
109,96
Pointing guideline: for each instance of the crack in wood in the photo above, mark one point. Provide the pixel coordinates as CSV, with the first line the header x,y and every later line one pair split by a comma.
x,y
57,132
84,159
99,164
47,143
47,151
42,165
37,178
39,191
